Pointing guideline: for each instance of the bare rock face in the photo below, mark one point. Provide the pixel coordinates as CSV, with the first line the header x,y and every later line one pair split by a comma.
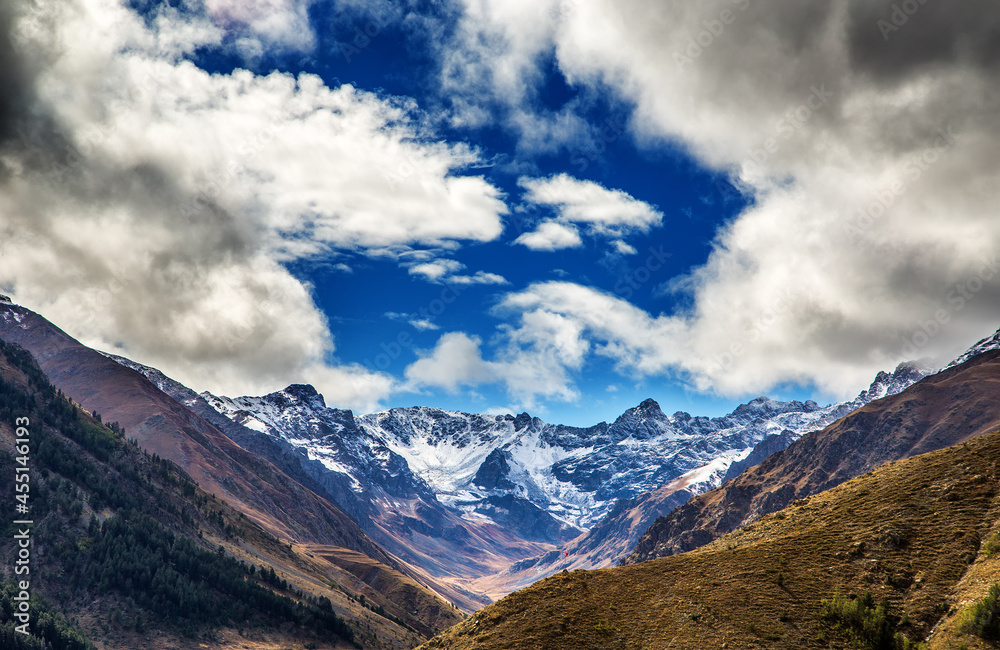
x,y
494,473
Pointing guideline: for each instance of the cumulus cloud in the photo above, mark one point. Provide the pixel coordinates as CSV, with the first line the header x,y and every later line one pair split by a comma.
x,y
454,362
148,206
436,269
604,211
551,236
537,360
610,213
443,270
870,153
489,71
283,23
479,277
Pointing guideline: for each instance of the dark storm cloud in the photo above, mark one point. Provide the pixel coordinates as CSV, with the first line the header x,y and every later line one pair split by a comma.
x,y
13,85
895,40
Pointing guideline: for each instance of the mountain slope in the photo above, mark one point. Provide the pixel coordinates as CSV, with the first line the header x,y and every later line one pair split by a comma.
x,y
127,547
910,532
248,482
295,462
166,428
376,486
947,408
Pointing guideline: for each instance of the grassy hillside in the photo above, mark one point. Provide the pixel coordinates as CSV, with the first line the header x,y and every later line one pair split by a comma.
x,y
128,552
919,533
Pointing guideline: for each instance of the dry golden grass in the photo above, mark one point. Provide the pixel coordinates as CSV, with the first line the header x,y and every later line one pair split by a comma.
x,y
909,531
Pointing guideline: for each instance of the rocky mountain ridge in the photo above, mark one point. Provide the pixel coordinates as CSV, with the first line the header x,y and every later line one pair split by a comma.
x,y
543,484
942,410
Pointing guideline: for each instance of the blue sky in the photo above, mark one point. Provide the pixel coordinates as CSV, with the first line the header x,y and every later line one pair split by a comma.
x,y
370,307
560,206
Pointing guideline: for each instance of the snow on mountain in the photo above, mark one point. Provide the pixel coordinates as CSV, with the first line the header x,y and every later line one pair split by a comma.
x,y
884,384
438,487
469,461
988,343
160,380
299,416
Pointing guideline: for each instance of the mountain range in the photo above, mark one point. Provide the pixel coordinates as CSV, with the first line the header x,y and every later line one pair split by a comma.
x,y
412,512
490,503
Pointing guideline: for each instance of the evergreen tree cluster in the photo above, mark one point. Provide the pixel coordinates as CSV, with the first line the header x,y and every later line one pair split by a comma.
x,y
183,583
48,629
983,618
870,625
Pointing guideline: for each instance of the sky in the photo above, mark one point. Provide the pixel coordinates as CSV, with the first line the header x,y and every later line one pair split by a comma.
x,y
559,206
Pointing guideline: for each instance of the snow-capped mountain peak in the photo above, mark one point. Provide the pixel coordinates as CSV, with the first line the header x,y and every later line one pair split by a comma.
x,y
989,343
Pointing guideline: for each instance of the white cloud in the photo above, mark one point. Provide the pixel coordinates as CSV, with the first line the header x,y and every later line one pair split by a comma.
x,y
423,324
536,361
489,72
604,211
150,206
623,248
283,23
454,362
610,213
867,225
498,410
443,270
550,236
480,277
436,269
578,320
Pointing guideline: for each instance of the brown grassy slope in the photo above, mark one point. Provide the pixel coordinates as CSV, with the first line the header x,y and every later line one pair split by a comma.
x,y
245,481
407,600
973,587
942,410
908,531
414,612
164,427
602,546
